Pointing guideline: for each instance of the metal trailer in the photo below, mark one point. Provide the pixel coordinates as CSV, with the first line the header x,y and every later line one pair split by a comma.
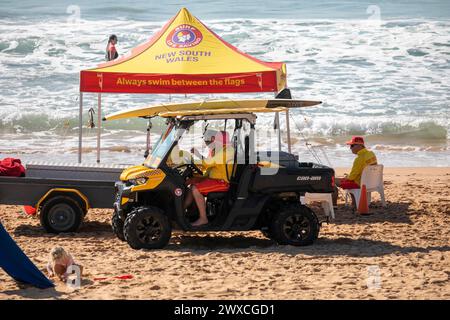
x,y
62,193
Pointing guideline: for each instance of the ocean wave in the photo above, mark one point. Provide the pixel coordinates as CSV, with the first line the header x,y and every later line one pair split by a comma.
x,y
393,76
409,148
414,131
403,23
23,47
116,148
116,9
438,44
417,52
361,62
41,122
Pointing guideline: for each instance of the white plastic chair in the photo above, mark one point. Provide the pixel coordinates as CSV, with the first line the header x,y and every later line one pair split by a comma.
x,y
325,200
372,177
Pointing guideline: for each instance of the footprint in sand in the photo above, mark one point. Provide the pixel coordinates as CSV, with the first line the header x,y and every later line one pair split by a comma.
x,y
262,269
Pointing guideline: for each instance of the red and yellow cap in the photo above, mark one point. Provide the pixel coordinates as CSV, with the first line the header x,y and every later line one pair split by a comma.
x,y
356,140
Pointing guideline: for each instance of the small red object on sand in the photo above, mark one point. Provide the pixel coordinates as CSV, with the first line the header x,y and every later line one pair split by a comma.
x,y
29,210
123,277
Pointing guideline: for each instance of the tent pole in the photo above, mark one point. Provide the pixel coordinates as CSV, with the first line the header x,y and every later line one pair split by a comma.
x,y
277,123
149,127
288,131
99,125
80,128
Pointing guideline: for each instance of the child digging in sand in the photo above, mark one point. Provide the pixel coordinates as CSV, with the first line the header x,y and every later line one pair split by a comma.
x,y
59,262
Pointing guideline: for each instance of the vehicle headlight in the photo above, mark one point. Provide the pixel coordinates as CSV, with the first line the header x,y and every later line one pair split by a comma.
x,y
139,181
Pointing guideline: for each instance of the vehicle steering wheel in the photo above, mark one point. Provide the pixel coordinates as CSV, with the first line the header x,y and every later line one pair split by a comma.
x,y
194,167
190,168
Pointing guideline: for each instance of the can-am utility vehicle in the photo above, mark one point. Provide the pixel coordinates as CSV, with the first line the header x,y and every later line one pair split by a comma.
x,y
265,187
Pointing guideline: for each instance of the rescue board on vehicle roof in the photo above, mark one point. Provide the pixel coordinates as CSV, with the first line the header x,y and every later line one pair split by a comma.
x,y
212,107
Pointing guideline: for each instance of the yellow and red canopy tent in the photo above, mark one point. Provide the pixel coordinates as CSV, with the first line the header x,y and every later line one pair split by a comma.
x,y
185,56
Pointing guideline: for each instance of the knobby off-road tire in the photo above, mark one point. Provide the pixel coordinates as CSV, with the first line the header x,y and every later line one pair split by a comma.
x,y
147,228
295,225
117,226
61,214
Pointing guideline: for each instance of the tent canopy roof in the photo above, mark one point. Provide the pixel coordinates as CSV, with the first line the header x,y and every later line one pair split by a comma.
x,y
212,107
185,56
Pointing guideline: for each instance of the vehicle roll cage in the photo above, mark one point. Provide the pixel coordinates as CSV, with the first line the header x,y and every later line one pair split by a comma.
x,y
186,121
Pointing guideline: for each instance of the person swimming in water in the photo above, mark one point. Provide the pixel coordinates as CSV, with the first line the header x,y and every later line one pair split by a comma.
x,y
111,52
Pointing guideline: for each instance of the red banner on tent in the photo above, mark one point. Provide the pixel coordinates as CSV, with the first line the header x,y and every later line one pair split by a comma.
x,y
163,83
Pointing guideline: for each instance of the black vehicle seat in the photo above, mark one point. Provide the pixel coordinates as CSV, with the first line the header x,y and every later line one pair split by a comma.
x,y
239,169
216,195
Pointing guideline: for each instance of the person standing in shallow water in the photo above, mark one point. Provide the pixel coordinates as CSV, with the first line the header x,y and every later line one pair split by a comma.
x,y
111,52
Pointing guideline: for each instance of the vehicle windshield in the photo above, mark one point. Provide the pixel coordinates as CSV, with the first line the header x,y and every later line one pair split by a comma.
x,y
162,147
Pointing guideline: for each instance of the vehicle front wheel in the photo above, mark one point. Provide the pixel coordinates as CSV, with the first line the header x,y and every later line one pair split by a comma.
x,y
295,225
147,228
117,226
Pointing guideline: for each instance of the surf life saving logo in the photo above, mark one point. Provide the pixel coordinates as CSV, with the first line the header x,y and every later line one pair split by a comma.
x,y
184,36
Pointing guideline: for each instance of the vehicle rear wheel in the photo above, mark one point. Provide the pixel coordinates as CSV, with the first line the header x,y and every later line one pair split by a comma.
x,y
117,226
61,214
147,228
295,225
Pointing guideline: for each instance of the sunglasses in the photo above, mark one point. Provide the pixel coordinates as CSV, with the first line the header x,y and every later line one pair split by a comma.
x,y
352,145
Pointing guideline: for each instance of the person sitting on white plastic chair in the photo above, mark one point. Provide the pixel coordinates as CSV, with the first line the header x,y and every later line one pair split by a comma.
x,y
363,159
372,179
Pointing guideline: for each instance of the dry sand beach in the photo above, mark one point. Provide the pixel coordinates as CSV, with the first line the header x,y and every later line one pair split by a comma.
x,y
400,252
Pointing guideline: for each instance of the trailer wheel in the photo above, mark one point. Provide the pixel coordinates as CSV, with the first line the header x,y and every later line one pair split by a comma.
x,y
147,228
295,225
117,226
61,214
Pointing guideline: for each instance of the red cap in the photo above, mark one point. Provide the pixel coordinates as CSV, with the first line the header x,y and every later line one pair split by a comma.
x,y
356,140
